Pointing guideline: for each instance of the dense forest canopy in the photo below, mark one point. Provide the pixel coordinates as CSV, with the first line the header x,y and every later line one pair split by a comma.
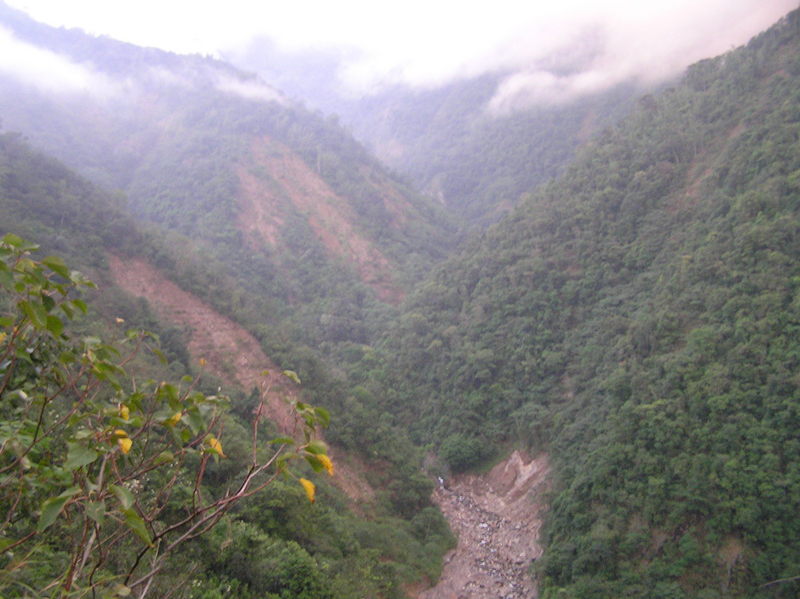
x,y
293,549
636,317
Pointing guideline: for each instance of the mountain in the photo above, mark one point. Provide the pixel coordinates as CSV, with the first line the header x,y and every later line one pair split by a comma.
x,y
356,541
631,326
250,234
224,158
637,319
449,141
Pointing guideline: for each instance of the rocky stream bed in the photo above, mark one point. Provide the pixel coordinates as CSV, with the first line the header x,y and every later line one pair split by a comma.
x,y
496,518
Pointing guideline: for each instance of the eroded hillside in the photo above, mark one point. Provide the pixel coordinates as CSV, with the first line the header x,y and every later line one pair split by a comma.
x,y
228,350
276,183
497,518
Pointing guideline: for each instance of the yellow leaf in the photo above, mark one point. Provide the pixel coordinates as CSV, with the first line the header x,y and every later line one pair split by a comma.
x,y
309,487
202,362
215,446
174,419
124,444
120,433
124,412
326,462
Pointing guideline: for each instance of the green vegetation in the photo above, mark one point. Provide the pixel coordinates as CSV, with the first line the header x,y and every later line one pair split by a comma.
x,y
477,163
99,458
401,540
638,319
110,483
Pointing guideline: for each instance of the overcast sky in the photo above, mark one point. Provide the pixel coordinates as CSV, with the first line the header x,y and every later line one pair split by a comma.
x,y
428,42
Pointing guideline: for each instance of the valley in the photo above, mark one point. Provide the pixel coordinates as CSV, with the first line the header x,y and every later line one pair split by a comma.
x,y
497,518
529,348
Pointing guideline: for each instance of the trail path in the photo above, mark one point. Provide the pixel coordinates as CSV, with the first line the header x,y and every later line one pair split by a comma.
x,y
497,518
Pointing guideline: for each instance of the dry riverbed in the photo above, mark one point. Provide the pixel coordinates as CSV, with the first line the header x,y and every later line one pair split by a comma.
x,y
496,518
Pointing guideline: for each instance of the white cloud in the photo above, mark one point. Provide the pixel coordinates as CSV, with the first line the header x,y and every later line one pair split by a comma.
x,y
427,43
645,42
250,90
47,70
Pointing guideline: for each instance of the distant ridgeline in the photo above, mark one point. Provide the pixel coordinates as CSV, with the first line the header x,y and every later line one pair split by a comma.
x,y
282,195
639,319
477,163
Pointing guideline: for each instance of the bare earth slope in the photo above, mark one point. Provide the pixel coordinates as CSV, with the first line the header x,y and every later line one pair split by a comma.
x,y
276,180
230,352
497,518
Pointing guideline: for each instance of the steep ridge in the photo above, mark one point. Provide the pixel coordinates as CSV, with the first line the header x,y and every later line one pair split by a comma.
x,y
639,319
273,174
229,351
497,518
264,186
476,161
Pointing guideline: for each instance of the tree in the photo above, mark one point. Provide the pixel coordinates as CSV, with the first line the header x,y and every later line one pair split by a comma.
x,y
102,475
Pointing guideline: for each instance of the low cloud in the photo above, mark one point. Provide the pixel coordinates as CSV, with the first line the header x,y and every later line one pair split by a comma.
x,y
551,51
249,89
48,71
646,45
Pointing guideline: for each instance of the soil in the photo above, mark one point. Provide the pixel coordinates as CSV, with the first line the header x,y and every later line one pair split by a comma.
x,y
230,352
277,178
497,518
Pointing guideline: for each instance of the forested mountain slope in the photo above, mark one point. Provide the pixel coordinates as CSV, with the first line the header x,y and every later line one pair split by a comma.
x,y
220,156
478,162
275,544
639,318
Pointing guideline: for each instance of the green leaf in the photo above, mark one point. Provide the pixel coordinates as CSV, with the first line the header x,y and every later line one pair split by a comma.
x,y
57,265
292,375
314,462
124,496
35,312
48,302
316,447
6,321
96,510
323,415
79,455
137,525
80,305
12,240
160,355
195,420
165,457
68,312
282,441
6,278
120,590
54,325
52,507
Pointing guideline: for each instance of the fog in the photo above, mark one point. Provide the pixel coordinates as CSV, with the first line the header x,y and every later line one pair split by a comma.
x,y
549,51
48,71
